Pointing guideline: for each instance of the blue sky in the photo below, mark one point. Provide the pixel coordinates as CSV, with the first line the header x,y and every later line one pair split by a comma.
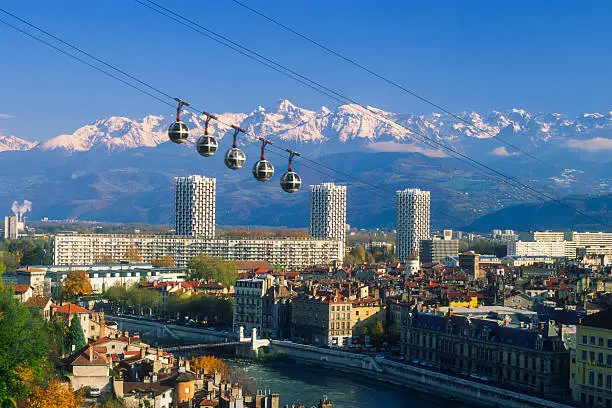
x,y
481,55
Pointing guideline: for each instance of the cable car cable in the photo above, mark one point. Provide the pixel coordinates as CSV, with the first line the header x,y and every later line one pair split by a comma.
x,y
313,161
393,83
530,190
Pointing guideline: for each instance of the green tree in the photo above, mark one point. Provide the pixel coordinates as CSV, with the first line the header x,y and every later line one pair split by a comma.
x,y
204,267
76,338
23,343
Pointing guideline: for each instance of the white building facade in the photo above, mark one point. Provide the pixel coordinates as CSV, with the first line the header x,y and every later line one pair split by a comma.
x,y
328,213
412,219
555,249
194,206
88,249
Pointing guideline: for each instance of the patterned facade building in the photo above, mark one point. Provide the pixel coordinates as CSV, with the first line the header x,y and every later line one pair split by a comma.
x,y
194,206
412,220
328,213
88,249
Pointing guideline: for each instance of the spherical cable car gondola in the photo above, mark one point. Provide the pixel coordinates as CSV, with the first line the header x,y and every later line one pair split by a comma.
x,y
291,181
263,169
235,158
207,145
178,132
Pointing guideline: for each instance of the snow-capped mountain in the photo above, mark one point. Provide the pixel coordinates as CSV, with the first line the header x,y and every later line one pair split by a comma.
x,y
10,143
352,127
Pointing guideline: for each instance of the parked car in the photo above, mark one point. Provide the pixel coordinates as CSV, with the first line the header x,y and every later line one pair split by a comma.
x,y
94,392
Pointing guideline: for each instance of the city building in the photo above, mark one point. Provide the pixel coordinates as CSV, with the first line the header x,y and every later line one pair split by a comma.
x,y
194,206
276,313
550,236
591,371
469,262
499,347
88,249
249,302
593,243
412,220
328,213
555,249
29,276
436,249
524,260
10,227
322,320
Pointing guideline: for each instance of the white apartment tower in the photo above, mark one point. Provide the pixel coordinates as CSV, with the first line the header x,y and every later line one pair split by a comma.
x,y
413,215
328,213
194,206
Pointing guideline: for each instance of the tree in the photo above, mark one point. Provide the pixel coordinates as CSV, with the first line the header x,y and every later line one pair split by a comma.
x,y
23,345
133,255
105,260
163,262
210,365
76,338
204,267
77,284
55,394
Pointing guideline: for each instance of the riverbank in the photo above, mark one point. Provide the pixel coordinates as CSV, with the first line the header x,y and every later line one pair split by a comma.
x,y
408,376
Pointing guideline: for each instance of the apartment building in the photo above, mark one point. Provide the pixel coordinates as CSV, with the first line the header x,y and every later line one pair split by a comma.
x,y
591,366
328,213
412,221
89,249
324,319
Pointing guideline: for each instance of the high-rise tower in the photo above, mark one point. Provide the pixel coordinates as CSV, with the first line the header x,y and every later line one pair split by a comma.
x,y
194,206
328,213
413,214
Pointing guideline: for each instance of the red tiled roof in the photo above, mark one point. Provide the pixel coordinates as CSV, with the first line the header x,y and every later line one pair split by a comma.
x,y
18,288
70,309
84,358
37,301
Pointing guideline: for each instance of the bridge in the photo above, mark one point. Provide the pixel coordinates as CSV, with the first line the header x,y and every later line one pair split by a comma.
x,y
247,347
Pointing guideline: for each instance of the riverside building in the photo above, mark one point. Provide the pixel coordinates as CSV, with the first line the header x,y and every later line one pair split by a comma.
x,y
412,219
496,344
89,249
328,213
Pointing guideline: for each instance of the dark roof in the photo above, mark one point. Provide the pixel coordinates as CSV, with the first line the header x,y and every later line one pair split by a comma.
x,y
497,333
185,377
602,320
38,301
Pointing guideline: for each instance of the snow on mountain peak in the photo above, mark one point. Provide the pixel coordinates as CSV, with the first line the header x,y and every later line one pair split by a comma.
x,y
344,124
11,143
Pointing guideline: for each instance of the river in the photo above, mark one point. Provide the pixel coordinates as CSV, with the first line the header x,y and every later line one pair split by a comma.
x,y
306,384
299,383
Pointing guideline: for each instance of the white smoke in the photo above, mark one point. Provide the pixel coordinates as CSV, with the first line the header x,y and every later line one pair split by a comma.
x,y
20,209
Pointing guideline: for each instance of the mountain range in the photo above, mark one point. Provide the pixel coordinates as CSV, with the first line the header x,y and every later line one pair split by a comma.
x,y
121,169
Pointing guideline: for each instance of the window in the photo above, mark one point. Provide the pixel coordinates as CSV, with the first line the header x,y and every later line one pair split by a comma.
x,y
584,354
609,360
592,340
609,381
599,379
610,343
584,339
592,356
591,378
600,342
600,358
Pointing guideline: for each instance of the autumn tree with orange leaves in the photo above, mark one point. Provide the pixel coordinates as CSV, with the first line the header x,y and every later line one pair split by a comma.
x,y
77,284
210,365
55,394
133,255
164,262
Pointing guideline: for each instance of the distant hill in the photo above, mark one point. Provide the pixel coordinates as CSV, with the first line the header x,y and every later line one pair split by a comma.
x,y
550,216
121,169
